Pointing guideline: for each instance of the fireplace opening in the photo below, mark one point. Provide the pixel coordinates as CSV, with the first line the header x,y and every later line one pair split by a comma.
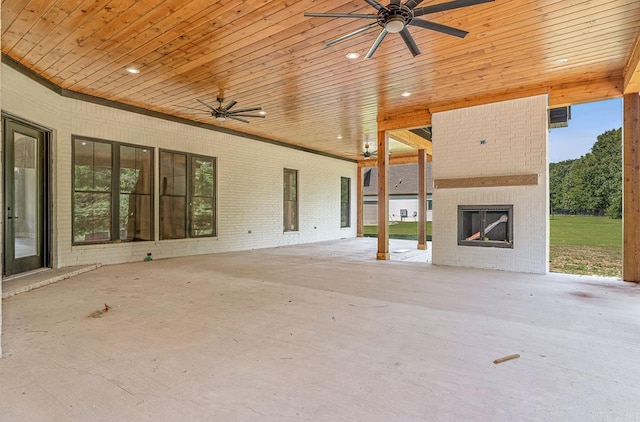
x,y
485,225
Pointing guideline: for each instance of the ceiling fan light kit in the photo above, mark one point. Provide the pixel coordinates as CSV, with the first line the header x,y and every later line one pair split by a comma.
x,y
395,19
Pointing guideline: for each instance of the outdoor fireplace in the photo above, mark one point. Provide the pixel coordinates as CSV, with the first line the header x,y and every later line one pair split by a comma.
x,y
485,225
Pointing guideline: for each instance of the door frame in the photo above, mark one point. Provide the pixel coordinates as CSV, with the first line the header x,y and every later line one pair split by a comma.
x,y
47,244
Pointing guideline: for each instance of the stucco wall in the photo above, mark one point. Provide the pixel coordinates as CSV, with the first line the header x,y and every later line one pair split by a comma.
x,y
515,135
250,177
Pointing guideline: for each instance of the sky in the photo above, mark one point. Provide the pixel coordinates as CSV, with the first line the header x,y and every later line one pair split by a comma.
x,y
587,122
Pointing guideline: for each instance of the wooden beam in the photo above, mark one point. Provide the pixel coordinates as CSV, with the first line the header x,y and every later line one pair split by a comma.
x,y
409,138
487,181
404,120
422,200
631,189
631,71
360,203
405,158
560,94
583,92
383,196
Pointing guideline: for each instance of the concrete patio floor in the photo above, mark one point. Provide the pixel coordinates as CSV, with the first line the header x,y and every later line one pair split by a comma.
x,y
320,332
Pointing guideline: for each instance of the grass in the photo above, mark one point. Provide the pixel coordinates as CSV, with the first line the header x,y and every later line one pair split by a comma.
x,y
399,230
578,244
585,245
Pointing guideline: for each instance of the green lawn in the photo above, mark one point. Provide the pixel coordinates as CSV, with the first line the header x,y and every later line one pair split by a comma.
x,y
578,244
399,230
585,245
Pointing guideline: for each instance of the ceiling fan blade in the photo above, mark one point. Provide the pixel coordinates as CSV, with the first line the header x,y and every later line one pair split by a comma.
x,y
376,43
412,3
351,34
231,104
375,4
455,4
238,119
340,15
395,2
410,42
205,104
260,116
245,110
439,27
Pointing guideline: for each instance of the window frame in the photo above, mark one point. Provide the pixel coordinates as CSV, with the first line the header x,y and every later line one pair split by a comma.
x,y
345,208
189,195
285,201
114,191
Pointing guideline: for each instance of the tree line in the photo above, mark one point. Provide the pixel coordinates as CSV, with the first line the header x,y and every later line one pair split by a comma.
x,y
591,184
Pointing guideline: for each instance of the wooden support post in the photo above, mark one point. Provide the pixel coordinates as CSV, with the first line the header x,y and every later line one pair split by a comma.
x,y
422,200
631,189
360,203
383,195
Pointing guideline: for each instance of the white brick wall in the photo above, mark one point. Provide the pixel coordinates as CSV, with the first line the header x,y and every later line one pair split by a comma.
x,y
516,143
250,177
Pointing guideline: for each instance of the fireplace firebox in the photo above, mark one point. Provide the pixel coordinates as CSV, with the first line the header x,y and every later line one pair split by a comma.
x,y
485,225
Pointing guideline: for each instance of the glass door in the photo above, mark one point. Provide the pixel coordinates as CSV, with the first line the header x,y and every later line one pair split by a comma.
x,y
24,193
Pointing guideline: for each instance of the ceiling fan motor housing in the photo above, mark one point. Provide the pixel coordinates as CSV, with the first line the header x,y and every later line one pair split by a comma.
x,y
394,18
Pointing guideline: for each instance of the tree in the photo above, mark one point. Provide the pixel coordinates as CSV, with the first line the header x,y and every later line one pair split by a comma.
x,y
592,183
557,174
607,172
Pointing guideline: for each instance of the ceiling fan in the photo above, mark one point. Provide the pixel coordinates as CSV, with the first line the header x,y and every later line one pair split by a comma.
x,y
395,18
368,154
221,113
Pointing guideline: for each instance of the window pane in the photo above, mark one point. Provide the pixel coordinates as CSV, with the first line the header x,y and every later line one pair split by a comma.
x,y
102,166
290,184
92,191
135,222
172,217
345,202
173,174
202,217
135,170
173,199
290,216
91,217
92,166
290,206
203,196
135,217
202,177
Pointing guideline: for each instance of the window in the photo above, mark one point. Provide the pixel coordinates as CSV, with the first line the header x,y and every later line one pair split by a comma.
x,y
345,202
202,196
136,212
187,203
290,200
112,192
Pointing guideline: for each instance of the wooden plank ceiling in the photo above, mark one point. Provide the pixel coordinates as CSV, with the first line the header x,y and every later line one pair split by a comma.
x,y
266,53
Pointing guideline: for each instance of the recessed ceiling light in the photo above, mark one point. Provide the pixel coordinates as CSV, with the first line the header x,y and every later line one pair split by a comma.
x,y
262,113
352,56
133,70
561,61
406,94
339,136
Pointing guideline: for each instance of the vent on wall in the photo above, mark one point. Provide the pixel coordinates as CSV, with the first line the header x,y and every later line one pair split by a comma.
x,y
559,117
